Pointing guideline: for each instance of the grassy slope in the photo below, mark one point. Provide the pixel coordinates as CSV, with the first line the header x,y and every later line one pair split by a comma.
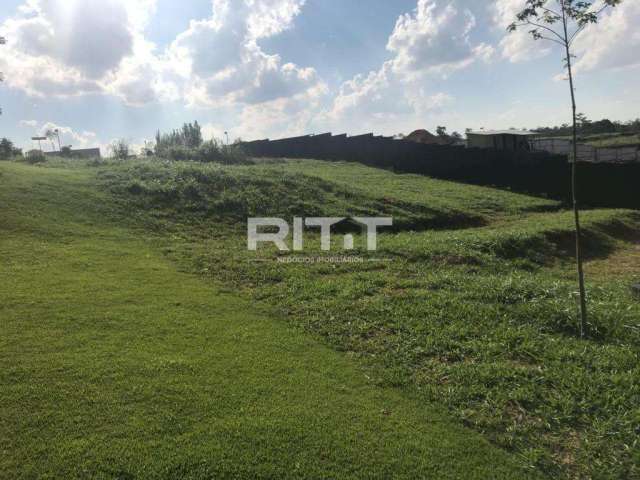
x,y
606,139
481,320
442,195
113,364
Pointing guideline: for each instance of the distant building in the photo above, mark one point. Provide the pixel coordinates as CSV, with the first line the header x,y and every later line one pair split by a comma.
x,y
76,153
500,139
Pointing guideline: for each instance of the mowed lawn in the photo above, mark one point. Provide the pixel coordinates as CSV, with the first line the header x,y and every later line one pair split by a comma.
x,y
115,364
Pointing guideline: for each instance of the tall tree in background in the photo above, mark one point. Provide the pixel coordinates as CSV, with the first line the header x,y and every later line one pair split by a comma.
x,y
560,21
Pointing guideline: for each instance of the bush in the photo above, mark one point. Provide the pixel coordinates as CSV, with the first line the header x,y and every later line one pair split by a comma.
x,y
234,155
214,151
35,156
186,144
178,153
211,151
119,149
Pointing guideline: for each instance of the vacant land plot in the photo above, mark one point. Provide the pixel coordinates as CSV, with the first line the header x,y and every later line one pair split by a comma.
x,y
469,304
115,364
472,306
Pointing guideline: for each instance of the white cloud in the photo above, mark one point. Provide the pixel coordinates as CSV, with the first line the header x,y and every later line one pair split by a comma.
x,y
433,40
517,46
71,48
68,136
224,63
434,37
270,17
93,42
613,43
363,91
423,103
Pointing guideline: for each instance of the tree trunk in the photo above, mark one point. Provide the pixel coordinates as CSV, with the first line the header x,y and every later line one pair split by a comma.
x,y
574,192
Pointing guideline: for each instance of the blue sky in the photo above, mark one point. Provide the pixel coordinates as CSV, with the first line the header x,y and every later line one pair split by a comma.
x,y
101,70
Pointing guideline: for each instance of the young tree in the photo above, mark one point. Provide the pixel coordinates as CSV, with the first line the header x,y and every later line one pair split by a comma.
x,y
560,21
119,149
51,134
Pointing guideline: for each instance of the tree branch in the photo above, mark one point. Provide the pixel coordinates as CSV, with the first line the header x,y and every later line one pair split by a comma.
x,y
584,25
575,34
562,39
552,40
548,10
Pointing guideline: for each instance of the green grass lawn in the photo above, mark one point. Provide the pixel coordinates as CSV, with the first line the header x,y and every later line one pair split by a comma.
x,y
469,304
452,350
117,362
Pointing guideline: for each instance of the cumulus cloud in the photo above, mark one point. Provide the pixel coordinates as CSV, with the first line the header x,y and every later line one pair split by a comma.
x,y
612,43
69,136
93,42
224,62
69,47
516,46
435,37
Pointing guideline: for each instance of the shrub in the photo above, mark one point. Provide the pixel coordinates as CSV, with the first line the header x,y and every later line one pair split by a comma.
x,y
186,144
209,151
178,153
234,155
35,156
119,149
214,151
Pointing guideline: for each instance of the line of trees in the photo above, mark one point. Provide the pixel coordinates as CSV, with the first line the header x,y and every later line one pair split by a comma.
x,y
189,136
585,126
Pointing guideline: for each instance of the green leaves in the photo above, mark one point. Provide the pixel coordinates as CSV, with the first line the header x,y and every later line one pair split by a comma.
x,y
542,15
